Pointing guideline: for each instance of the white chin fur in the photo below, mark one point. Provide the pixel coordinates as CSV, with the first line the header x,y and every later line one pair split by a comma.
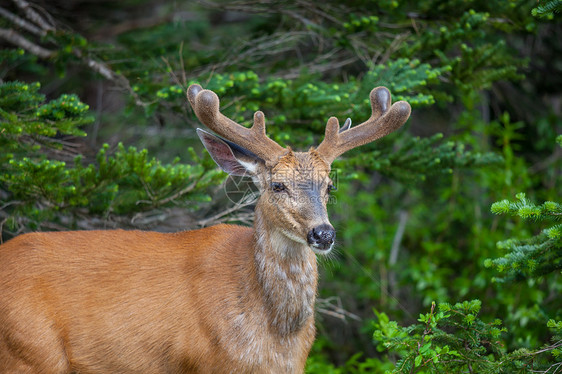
x,y
320,251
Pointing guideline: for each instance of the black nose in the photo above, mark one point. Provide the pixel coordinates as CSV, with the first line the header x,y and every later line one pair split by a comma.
x,y
321,237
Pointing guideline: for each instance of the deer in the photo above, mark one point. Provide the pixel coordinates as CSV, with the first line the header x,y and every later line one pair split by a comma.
x,y
221,299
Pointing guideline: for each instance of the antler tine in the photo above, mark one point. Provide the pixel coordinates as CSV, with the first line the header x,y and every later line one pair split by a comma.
x,y
384,120
206,105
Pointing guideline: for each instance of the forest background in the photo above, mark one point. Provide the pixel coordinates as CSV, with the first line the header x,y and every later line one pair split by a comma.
x,y
449,252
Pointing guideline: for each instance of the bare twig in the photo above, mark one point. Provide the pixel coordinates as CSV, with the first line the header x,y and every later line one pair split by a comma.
x,y
33,16
393,257
396,44
182,64
173,75
105,71
276,43
133,24
305,21
20,41
332,306
321,64
219,216
99,67
320,10
18,21
175,196
398,238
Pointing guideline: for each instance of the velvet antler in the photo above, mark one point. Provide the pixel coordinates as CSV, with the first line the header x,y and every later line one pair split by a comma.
x,y
384,120
206,104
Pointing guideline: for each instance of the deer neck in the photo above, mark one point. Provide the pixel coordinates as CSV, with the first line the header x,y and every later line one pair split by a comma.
x,y
287,276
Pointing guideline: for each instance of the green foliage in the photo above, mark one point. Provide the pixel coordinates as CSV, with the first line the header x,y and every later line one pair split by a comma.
x,y
355,365
451,339
454,339
41,189
481,59
128,181
527,210
547,9
419,159
412,210
536,256
315,102
27,122
403,76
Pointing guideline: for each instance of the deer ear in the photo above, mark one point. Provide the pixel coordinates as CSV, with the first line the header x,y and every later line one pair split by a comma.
x,y
231,158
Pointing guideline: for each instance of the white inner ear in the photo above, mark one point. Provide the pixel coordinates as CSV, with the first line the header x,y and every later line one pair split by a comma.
x,y
251,167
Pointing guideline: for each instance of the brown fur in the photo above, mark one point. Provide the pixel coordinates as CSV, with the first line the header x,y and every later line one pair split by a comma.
x,y
91,302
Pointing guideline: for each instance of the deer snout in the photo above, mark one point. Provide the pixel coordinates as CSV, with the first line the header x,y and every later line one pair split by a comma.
x,y
321,238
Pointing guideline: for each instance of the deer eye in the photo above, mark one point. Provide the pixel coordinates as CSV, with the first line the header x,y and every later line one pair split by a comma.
x,y
278,187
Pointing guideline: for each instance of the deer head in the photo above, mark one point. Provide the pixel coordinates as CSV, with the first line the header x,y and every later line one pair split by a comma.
x,y
294,186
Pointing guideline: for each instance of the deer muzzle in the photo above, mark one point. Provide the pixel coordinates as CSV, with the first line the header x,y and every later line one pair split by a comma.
x,y
321,238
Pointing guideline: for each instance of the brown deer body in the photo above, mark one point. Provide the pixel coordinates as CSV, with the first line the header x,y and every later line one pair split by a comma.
x,y
224,299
